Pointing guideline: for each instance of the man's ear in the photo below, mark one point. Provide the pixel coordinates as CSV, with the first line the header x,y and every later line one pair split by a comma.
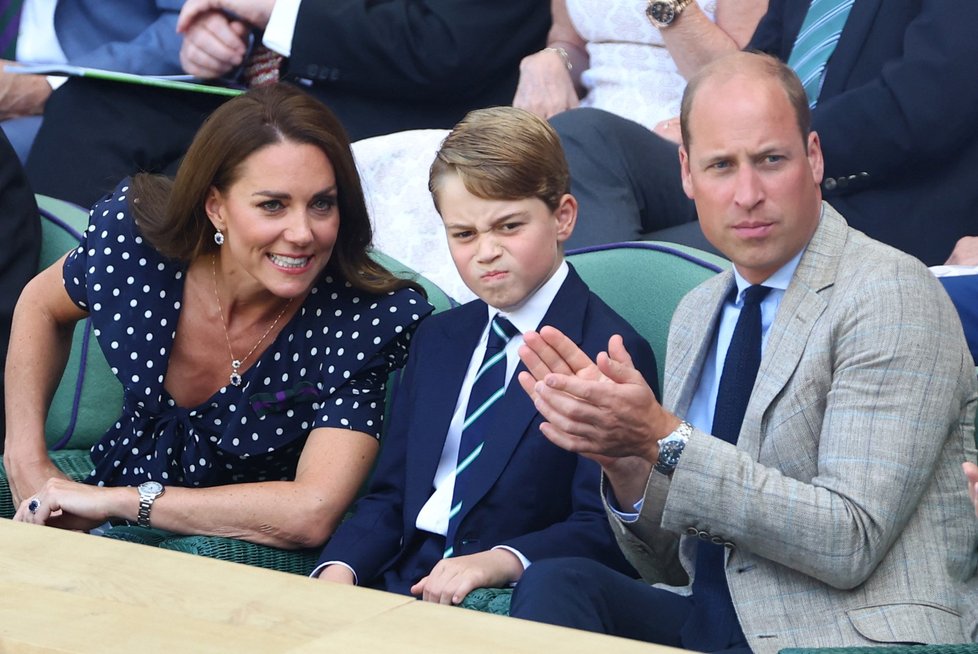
x,y
684,170
566,215
815,159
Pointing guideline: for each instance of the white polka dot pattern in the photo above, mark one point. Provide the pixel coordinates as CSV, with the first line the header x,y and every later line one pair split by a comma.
x,y
327,368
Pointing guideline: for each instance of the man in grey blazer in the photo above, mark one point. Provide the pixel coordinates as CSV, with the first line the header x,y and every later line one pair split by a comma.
x,y
836,512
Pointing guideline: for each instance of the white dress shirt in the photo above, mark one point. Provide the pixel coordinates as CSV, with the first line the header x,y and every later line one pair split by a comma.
x,y
433,516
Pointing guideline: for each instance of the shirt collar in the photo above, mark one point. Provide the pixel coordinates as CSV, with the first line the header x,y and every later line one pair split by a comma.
x,y
530,314
781,277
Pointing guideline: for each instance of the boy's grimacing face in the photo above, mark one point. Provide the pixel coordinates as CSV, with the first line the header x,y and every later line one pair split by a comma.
x,y
504,250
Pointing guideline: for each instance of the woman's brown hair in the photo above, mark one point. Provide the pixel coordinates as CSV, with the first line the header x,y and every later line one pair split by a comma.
x,y
171,215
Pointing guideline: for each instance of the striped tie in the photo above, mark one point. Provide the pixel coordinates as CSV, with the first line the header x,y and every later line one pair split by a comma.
x,y
816,41
262,67
488,387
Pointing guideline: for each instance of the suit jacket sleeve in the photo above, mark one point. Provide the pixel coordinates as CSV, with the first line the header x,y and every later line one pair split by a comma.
x,y
416,49
585,532
154,51
373,535
848,449
904,96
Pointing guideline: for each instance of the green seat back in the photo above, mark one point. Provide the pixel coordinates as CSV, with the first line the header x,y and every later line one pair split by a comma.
x,y
89,398
644,281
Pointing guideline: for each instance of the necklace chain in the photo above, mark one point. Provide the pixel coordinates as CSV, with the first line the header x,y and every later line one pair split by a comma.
x,y
235,376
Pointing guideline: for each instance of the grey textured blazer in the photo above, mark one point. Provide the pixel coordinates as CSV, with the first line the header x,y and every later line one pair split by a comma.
x,y
842,505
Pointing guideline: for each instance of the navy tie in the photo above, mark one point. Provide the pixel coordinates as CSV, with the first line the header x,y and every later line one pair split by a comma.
x,y
713,623
488,387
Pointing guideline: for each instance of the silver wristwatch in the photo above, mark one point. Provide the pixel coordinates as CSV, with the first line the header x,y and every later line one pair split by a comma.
x,y
663,13
671,448
148,492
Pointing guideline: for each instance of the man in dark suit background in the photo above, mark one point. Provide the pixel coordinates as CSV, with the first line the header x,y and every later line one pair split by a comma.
x,y
20,233
896,113
381,67
129,36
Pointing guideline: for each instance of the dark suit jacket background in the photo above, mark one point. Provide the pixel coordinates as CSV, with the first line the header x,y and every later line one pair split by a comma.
x,y
898,118
523,491
388,65
20,234
382,66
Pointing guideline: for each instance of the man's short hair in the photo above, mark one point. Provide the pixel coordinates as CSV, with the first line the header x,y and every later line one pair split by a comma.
x,y
503,153
755,63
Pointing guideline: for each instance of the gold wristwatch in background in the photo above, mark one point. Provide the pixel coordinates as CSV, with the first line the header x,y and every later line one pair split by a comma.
x,y
663,13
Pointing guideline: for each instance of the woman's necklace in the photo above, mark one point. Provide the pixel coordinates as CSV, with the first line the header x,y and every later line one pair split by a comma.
x,y
235,377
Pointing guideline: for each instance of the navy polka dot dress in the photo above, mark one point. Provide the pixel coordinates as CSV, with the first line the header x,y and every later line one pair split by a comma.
x,y
327,368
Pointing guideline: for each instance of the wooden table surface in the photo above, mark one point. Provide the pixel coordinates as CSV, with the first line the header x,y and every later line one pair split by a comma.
x,y
67,592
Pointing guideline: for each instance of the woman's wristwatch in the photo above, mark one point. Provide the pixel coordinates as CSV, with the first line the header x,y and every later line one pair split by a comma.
x,y
663,13
148,492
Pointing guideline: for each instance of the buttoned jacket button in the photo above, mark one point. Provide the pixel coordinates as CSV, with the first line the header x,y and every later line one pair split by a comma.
x,y
691,531
703,535
829,184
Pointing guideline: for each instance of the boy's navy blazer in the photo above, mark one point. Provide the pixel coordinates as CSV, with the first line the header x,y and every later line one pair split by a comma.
x,y
525,492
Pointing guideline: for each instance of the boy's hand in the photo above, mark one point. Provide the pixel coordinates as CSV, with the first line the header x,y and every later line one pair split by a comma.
x,y
452,579
338,574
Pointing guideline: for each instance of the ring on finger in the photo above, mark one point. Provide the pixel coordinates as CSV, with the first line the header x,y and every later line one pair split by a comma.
x,y
34,505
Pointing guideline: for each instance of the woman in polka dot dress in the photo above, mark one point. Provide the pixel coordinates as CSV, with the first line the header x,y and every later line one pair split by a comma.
x,y
250,330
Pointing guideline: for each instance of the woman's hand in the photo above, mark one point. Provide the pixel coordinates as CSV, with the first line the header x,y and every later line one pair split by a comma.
x,y
545,87
452,579
72,505
26,476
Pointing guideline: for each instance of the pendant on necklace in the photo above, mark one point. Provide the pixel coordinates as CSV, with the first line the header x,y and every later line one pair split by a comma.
x,y
235,377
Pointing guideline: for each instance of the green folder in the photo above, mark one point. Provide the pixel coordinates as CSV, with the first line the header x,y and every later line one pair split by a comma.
x,y
175,82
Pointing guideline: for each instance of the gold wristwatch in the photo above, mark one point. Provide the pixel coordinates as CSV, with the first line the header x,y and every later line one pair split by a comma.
x,y
663,13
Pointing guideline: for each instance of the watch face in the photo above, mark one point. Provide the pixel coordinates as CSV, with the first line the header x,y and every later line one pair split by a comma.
x,y
669,453
662,13
151,487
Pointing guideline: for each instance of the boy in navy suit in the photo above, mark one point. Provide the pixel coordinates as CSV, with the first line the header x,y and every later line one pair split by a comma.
x,y
467,492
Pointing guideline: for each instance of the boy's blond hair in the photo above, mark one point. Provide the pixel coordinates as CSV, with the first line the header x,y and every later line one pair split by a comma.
x,y
503,153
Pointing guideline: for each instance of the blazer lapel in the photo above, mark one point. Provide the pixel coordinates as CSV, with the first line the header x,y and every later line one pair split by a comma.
x,y
801,306
692,334
849,47
511,423
459,337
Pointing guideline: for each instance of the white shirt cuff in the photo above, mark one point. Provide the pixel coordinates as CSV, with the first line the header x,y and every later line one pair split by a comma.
x,y
523,560
322,566
281,27
627,518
